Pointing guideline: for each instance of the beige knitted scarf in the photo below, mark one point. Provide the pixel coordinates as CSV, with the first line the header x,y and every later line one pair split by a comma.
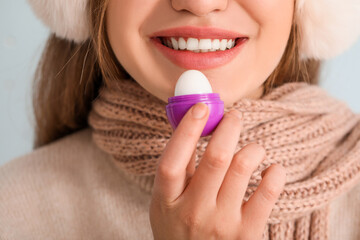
x,y
316,137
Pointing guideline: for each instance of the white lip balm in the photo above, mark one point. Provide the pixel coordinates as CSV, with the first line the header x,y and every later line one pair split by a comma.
x,y
193,87
192,82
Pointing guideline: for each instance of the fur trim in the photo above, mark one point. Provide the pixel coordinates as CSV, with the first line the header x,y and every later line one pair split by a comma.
x,y
66,18
327,27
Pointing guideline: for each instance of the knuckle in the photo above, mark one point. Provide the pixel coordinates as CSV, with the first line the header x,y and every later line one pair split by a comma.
x,y
273,182
187,134
242,166
270,192
245,161
191,220
217,159
220,230
168,172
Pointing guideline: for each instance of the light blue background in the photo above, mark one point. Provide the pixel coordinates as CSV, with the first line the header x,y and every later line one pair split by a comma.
x,y
22,39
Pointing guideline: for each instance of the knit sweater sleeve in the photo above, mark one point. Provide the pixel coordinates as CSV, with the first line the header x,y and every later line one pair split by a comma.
x,y
344,219
70,190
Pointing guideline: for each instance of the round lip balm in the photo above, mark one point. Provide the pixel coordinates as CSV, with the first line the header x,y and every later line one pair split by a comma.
x,y
193,87
192,82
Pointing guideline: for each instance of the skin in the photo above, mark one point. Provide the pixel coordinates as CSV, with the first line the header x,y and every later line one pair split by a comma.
x,y
267,23
202,203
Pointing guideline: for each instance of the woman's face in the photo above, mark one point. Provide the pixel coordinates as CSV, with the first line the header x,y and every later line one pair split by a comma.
x,y
260,28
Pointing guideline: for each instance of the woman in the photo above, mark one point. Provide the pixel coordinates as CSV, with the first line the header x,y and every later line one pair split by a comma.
x,y
113,64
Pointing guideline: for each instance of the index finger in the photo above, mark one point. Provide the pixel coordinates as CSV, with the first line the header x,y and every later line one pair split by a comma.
x,y
170,175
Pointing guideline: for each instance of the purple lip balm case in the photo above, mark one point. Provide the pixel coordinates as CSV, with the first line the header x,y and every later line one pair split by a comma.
x,y
179,105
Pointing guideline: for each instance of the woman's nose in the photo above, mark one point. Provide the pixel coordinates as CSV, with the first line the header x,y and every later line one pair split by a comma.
x,y
199,7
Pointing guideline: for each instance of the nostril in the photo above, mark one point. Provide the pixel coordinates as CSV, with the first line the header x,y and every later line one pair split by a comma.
x,y
199,8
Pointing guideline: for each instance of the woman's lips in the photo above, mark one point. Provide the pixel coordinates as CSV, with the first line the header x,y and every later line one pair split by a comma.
x,y
199,61
198,32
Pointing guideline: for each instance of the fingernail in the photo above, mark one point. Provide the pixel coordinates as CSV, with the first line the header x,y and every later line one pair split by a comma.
x,y
199,110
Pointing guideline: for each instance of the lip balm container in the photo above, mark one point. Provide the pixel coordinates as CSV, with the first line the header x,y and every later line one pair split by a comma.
x,y
178,105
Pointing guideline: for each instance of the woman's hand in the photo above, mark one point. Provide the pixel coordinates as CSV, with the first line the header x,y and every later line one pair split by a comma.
x,y
208,203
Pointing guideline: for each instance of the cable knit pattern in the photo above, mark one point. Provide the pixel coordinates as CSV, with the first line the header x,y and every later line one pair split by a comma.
x,y
313,135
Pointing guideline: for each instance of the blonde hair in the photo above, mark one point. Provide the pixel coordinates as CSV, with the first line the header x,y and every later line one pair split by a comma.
x,y
69,75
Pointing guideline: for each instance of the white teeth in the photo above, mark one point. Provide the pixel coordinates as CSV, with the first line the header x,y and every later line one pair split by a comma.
x,y
229,44
205,44
192,44
199,45
168,43
182,44
175,43
223,44
215,44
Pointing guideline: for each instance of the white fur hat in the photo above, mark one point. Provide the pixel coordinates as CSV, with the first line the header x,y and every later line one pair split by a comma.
x,y
328,27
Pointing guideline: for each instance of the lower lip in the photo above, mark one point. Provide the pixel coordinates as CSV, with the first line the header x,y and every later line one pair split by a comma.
x,y
199,61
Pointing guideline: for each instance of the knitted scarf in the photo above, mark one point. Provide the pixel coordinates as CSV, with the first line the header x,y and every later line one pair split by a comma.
x,y
314,136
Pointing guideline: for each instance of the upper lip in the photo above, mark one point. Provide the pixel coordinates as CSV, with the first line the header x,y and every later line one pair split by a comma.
x,y
198,32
